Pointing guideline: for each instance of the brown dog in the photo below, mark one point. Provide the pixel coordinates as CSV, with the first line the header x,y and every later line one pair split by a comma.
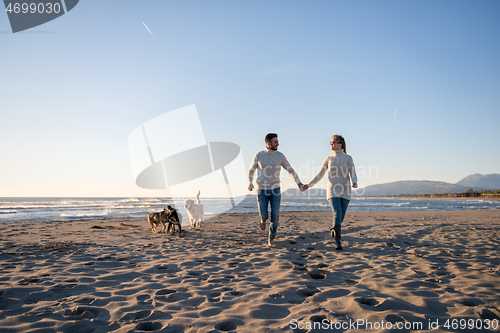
x,y
155,219
169,216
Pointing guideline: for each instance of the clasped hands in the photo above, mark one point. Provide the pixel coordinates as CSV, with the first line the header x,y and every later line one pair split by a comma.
x,y
304,187
301,186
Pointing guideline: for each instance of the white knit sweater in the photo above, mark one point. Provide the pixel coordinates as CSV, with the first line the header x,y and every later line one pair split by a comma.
x,y
341,172
268,163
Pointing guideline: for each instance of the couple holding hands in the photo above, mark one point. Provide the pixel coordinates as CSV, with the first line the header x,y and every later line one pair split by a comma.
x,y
268,162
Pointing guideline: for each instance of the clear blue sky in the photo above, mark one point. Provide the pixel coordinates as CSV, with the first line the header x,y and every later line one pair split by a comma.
x,y
413,86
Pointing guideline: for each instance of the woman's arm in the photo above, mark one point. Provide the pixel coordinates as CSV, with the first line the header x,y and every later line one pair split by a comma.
x,y
320,174
352,173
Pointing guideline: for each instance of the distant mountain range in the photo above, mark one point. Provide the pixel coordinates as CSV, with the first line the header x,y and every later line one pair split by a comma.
x,y
476,182
410,187
488,182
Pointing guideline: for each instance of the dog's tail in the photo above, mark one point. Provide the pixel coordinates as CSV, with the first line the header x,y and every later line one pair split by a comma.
x,y
198,197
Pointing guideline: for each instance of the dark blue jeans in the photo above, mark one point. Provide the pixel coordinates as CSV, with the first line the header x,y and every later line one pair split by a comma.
x,y
339,207
264,198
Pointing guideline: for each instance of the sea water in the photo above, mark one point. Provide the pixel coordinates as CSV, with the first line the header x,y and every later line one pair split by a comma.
x,y
69,209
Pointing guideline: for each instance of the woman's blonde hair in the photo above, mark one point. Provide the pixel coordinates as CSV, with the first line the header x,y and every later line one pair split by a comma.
x,y
339,138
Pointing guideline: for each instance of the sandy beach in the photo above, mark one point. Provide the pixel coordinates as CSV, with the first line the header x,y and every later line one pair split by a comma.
x,y
399,271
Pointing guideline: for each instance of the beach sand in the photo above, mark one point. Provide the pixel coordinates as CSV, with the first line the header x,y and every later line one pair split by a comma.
x,y
400,268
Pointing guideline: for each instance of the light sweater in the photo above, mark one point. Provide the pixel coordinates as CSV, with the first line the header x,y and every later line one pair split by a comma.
x,y
341,172
269,163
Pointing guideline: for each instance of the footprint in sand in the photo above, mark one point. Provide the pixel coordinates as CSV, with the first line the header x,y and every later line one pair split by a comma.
x,y
27,281
85,300
316,274
394,319
81,312
433,280
233,264
318,318
268,311
134,316
418,284
350,281
226,326
164,292
366,301
424,293
232,291
210,312
161,267
329,294
299,266
307,291
487,314
214,297
142,298
149,326
471,302
276,296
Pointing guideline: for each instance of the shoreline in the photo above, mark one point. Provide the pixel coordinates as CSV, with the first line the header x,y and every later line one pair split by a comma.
x,y
439,198
256,213
61,209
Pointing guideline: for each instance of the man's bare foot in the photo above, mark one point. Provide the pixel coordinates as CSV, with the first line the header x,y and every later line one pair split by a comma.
x,y
263,225
270,242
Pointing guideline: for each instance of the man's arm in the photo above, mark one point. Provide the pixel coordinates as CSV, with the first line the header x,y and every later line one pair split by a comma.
x,y
251,172
286,165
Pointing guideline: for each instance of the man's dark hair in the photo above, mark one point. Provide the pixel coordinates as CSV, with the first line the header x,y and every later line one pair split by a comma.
x,y
270,136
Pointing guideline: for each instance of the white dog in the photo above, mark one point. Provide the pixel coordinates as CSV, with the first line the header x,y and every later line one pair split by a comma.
x,y
195,210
